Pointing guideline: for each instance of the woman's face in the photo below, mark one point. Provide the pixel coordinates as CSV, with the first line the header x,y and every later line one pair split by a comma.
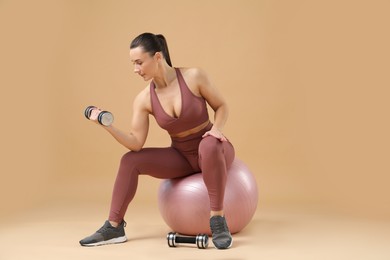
x,y
145,65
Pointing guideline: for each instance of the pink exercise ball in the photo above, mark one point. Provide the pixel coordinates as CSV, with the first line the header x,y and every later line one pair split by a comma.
x,y
185,206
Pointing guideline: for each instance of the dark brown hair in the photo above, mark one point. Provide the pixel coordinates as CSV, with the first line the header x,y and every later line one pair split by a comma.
x,y
152,43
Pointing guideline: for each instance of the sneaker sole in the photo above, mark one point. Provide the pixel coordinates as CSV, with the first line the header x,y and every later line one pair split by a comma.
x,y
226,247
116,240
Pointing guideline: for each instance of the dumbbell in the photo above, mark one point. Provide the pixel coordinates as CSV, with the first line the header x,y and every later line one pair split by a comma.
x,y
104,118
201,240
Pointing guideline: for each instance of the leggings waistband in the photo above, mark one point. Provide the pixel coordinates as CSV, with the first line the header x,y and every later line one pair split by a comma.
x,y
190,143
194,135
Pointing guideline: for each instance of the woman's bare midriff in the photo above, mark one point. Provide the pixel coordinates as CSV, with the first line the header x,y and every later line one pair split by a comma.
x,y
192,130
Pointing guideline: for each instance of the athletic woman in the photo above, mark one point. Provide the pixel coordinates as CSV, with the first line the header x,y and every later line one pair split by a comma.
x,y
177,98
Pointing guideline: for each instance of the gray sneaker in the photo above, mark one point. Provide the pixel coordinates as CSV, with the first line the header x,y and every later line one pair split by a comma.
x,y
222,239
107,234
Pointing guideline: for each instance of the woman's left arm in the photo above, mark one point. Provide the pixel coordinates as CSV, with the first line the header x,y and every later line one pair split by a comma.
x,y
216,101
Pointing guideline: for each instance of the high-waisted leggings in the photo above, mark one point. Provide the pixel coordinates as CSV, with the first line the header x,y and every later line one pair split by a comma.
x,y
186,156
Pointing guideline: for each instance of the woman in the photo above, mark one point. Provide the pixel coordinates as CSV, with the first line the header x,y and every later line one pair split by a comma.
x,y
177,98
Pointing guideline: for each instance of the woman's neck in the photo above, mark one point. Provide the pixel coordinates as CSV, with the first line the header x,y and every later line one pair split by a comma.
x,y
165,76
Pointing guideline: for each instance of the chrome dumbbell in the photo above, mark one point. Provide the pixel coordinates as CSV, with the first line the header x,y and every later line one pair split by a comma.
x,y
201,240
104,118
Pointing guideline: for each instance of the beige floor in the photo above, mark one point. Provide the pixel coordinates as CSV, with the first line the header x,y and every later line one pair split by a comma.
x,y
52,232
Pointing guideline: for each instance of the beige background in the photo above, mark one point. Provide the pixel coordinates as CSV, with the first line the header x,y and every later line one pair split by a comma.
x,y
307,83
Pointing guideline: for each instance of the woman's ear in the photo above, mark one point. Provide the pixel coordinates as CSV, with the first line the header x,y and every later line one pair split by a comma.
x,y
158,56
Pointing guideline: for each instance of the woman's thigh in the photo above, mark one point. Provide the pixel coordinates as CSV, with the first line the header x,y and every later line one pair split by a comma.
x,y
163,163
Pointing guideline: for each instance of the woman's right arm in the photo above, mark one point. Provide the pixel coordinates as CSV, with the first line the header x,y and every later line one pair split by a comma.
x,y
134,140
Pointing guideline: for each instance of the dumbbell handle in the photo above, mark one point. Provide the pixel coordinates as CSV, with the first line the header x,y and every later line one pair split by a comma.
x,y
185,240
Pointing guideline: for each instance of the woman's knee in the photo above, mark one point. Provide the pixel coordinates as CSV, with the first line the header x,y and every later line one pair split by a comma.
x,y
213,149
131,158
210,146
127,157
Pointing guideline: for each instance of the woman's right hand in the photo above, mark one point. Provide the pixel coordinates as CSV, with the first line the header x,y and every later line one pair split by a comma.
x,y
94,115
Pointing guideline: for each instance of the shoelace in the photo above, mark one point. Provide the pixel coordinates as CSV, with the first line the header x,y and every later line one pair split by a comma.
x,y
218,226
103,229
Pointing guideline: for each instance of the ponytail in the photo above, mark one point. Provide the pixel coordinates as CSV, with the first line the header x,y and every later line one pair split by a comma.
x,y
152,43
164,48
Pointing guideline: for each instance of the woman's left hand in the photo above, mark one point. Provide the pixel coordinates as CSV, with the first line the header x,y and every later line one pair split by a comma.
x,y
216,133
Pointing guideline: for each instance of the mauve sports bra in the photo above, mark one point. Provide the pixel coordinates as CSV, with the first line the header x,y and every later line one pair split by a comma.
x,y
193,109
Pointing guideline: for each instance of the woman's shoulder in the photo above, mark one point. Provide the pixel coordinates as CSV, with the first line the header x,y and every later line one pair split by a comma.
x,y
192,71
142,99
196,79
194,74
144,93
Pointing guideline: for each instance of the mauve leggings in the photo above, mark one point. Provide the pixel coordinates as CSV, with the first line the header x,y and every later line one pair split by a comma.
x,y
186,156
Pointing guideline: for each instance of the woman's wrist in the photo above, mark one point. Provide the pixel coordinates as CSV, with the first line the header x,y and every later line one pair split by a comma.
x,y
217,128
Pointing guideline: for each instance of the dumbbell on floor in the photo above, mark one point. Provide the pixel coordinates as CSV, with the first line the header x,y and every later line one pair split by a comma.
x,y
104,118
201,240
